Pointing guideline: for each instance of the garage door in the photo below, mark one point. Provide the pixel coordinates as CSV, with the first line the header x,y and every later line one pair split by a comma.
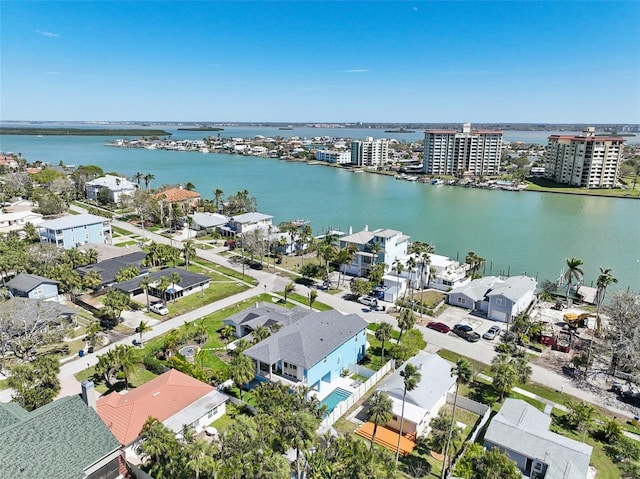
x,y
499,316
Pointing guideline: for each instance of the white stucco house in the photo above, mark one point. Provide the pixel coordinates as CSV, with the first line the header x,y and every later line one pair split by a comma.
x,y
116,186
447,273
424,402
500,298
377,246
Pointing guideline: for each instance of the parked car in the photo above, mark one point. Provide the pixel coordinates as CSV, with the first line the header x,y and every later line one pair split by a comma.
x,y
255,265
231,244
441,327
491,333
159,308
466,332
368,301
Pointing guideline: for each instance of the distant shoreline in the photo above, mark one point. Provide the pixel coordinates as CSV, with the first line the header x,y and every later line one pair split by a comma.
x,y
202,128
82,132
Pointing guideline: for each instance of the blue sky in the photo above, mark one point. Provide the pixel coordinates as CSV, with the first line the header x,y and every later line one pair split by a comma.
x,y
332,61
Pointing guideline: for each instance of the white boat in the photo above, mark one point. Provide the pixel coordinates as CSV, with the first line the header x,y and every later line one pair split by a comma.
x,y
204,150
437,182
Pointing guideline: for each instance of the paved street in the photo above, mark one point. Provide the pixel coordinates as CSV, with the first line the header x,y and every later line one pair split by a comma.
x,y
269,282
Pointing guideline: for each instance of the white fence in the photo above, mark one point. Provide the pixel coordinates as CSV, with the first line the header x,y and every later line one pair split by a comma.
x,y
475,407
348,403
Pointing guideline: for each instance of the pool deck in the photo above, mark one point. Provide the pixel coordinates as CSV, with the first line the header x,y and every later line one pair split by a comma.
x,y
328,388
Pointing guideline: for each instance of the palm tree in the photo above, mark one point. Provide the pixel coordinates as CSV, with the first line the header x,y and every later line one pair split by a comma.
x,y
92,333
411,377
145,283
147,180
138,177
406,321
398,267
383,334
91,279
411,267
505,375
143,327
344,257
261,333
380,411
125,360
241,370
299,433
188,251
289,288
463,373
174,278
573,272
605,279
162,286
189,186
217,197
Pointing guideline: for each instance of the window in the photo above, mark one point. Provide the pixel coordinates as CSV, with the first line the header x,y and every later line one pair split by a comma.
x,y
212,413
461,301
501,302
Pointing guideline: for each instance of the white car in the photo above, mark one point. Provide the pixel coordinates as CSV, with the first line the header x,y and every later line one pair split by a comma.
x,y
159,308
368,301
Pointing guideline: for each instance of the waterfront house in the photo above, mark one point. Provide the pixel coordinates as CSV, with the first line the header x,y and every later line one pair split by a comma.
x,y
74,230
209,222
424,402
247,222
180,197
447,273
311,351
115,187
374,247
501,299
109,268
173,398
64,439
34,287
264,314
522,432
189,283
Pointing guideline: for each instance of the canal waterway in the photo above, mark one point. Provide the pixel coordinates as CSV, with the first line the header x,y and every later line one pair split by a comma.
x,y
523,232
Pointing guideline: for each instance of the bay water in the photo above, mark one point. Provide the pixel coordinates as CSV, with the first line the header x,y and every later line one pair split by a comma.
x,y
517,232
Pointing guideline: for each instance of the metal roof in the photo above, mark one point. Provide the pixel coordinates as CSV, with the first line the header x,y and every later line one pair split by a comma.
x,y
72,221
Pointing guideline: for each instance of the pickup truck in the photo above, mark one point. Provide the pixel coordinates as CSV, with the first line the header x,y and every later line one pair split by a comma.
x,y
466,332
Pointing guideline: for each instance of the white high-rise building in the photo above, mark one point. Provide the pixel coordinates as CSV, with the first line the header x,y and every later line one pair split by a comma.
x,y
585,160
370,152
450,152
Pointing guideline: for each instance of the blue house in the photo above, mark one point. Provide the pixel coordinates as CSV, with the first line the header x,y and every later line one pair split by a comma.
x,y
34,287
74,230
313,350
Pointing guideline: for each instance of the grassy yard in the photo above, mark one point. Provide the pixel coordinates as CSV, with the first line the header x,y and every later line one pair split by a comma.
x,y
139,376
126,243
545,185
222,423
305,300
225,271
120,231
215,292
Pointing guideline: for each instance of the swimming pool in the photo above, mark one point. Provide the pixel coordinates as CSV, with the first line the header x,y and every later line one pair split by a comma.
x,y
333,399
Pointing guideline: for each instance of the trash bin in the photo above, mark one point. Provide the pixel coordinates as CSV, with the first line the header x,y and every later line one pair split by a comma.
x,y
635,421
81,353
90,349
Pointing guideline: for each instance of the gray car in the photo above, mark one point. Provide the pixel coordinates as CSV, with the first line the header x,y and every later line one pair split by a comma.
x,y
491,333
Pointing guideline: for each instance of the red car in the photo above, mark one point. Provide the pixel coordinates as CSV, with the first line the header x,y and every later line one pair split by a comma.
x,y
443,328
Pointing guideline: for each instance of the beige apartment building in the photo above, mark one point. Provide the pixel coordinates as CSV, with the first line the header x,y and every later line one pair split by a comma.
x,y
372,153
450,152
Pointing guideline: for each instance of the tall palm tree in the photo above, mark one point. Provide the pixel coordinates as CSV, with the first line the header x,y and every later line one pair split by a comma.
x,y
313,295
261,333
383,334
398,267
174,278
126,360
138,177
604,279
147,180
380,411
145,283
406,321
217,198
573,272
188,251
241,369
411,267
189,186
463,373
162,286
289,288
142,328
411,377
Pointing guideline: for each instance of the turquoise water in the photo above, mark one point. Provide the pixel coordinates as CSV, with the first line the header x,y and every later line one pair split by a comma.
x,y
516,233
333,399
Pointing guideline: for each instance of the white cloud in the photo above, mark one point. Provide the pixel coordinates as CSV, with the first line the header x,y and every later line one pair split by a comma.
x,y
48,34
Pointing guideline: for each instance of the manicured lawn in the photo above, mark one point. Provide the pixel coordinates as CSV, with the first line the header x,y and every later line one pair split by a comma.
x,y
374,353
139,376
545,185
226,271
214,292
126,243
453,357
222,423
115,229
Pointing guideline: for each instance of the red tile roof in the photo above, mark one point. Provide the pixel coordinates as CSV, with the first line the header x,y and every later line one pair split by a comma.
x,y
177,194
161,398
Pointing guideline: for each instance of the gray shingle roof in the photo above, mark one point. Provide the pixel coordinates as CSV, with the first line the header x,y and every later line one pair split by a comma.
x,y
57,441
521,428
187,279
11,413
266,314
29,310
108,269
476,289
307,341
72,221
26,282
